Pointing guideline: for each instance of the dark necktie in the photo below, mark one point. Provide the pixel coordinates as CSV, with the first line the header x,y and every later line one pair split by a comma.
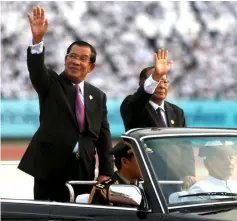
x,y
80,111
160,118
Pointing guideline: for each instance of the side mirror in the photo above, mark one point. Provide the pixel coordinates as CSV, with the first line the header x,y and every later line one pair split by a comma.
x,y
125,194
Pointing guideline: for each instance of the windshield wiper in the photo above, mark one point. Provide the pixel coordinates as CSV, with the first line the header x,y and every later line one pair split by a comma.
x,y
210,194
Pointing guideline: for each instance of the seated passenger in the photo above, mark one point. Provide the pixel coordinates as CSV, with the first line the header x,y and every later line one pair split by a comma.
x,y
220,164
128,173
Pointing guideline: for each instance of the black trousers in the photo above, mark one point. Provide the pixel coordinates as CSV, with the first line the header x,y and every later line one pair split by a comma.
x,y
53,188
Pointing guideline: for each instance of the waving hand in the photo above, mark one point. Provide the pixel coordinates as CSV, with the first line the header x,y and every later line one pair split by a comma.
x,y
38,24
161,63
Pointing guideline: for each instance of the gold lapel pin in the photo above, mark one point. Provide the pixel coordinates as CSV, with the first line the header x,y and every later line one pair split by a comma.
x,y
90,96
172,122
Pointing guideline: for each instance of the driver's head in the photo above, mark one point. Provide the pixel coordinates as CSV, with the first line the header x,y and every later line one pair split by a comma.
x,y
126,162
220,159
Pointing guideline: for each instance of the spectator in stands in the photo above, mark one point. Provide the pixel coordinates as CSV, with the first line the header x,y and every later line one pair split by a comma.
x,y
202,45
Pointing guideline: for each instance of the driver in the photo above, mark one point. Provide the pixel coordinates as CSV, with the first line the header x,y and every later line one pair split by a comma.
x,y
128,172
219,160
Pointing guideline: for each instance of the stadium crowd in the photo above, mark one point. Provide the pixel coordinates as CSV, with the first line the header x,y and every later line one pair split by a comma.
x,y
201,38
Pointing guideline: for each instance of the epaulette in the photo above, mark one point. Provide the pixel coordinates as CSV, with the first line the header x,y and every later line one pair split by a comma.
x,y
103,190
100,185
100,188
107,181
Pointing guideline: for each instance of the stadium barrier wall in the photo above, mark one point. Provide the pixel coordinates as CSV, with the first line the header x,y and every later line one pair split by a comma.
x,y
20,118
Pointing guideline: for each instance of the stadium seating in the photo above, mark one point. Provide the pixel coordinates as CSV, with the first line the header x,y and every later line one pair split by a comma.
x,y
201,38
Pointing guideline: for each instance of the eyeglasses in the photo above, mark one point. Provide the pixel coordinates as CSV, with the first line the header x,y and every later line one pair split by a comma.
x,y
83,59
165,82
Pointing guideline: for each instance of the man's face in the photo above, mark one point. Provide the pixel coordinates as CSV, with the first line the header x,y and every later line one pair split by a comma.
x,y
161,90
77,63
220,166
132,168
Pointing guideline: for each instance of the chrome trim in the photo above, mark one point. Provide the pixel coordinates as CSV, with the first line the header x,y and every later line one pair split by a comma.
x,y
187,135
125,194
68,204
202,204
131,130
145,164
88,182
170,182
71,192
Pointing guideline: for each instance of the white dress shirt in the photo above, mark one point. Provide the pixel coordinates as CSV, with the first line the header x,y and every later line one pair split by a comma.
x,y
37,48
150,85
162,108
210,184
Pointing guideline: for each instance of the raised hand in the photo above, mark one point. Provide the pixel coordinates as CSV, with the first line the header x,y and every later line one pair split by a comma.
x,y
161,63
38,24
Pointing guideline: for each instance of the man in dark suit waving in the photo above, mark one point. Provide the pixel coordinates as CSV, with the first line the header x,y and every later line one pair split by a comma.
x,y
148,108
73,119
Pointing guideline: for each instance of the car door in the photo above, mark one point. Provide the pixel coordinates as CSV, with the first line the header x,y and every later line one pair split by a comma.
x,y
20,210
74,211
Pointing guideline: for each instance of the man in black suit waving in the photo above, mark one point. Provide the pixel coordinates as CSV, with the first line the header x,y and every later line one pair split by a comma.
x,y
73,119
148,108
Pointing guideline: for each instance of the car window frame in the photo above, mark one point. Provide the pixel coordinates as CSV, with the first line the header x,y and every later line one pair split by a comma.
x,y
155,198
183,135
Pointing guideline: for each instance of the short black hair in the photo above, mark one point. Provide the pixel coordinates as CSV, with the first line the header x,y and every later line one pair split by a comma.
x,y
117,160
143,73
84,44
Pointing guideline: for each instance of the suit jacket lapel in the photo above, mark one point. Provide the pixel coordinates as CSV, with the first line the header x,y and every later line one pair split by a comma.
x,y
170,115
67,99
90,105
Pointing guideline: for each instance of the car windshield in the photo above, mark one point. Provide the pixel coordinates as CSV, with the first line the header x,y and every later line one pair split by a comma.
x,y
194,169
